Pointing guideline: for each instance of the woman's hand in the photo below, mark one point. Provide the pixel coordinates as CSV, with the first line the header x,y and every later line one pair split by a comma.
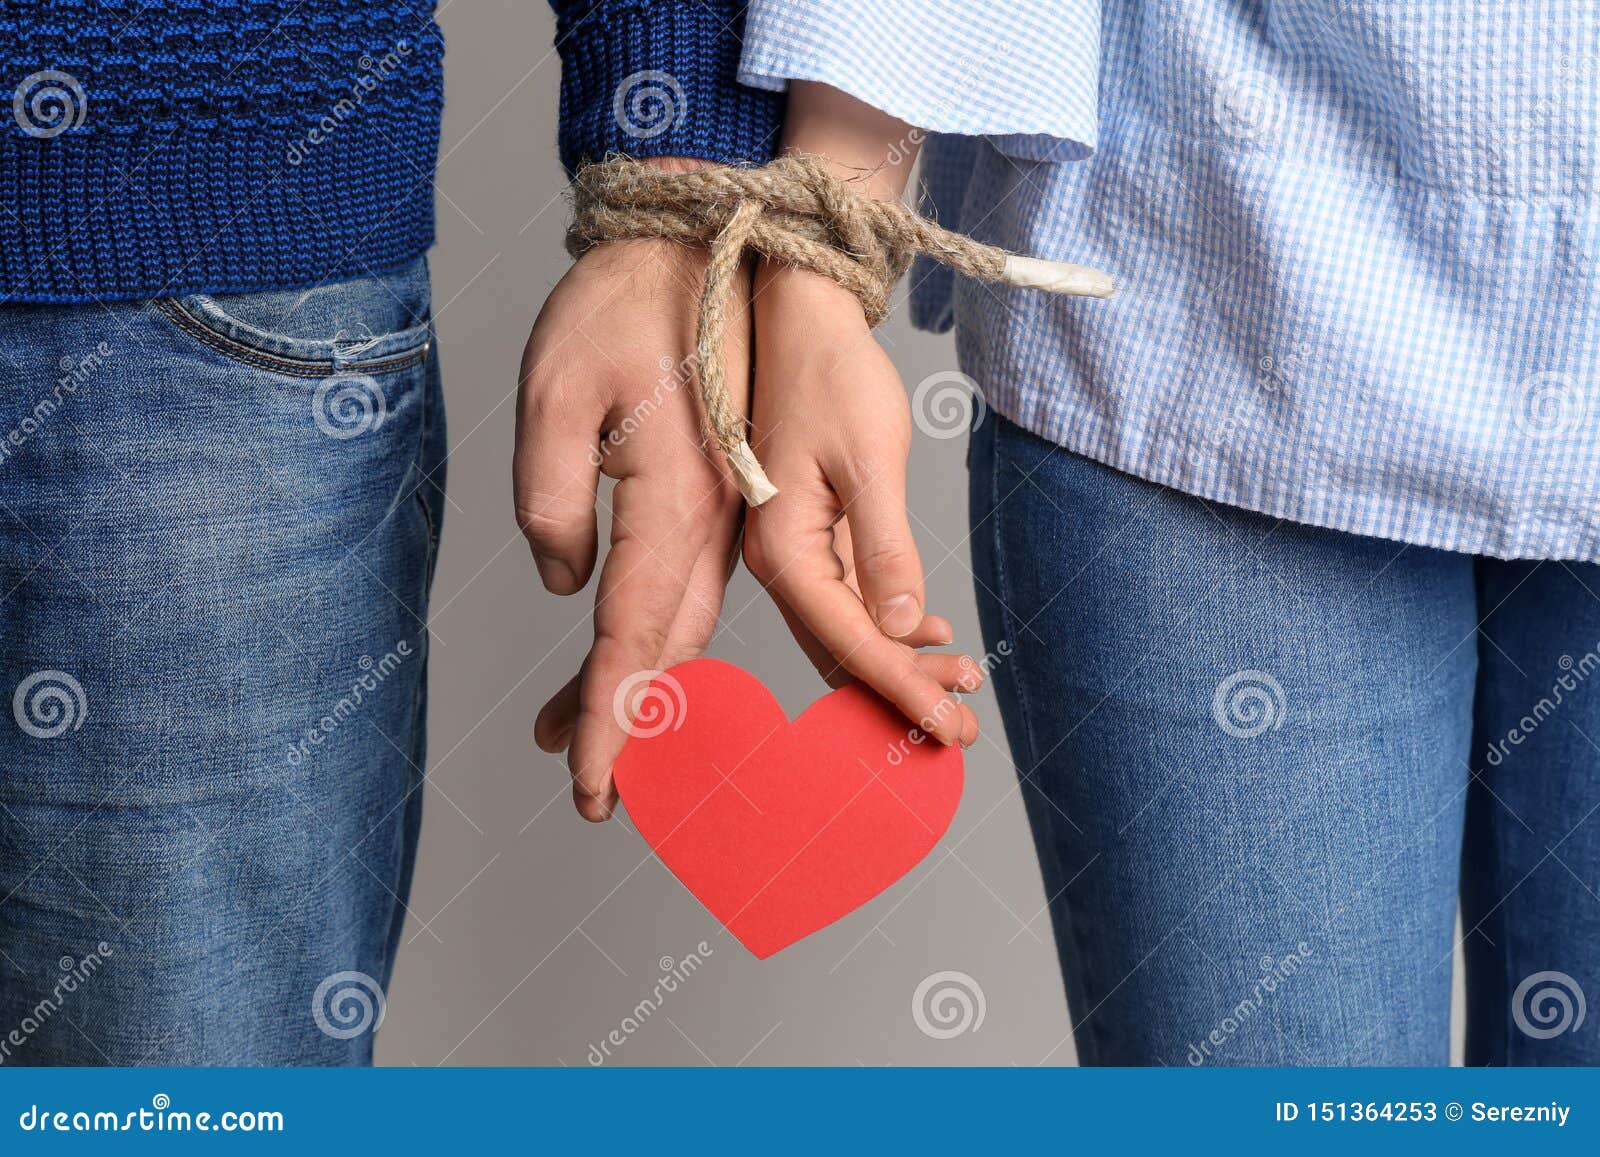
x,y
608,384
834,549
833,429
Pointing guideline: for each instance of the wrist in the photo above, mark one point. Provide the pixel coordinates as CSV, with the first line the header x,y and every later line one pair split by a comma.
x,y
677,164
787,295
866,148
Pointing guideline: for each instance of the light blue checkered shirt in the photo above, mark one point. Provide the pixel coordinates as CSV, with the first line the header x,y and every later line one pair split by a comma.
x,y
1355,241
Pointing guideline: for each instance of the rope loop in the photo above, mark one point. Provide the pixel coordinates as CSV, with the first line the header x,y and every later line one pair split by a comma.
x,y
796,211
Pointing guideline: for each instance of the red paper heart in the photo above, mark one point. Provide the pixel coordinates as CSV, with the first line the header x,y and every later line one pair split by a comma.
x,y
781,828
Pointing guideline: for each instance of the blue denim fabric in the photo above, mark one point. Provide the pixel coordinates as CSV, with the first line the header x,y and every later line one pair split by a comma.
x,y
218,522
1262,761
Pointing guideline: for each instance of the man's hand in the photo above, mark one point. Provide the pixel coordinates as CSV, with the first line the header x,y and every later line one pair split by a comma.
x,y
608,384
834,548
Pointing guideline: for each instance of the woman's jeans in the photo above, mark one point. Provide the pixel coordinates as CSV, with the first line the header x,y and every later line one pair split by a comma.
x,y
1263,763
218,521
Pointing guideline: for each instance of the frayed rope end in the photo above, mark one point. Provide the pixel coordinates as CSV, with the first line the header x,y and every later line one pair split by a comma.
x,y
748,475
1055,277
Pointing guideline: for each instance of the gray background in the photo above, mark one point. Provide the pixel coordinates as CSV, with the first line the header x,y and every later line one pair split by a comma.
x,y
533,934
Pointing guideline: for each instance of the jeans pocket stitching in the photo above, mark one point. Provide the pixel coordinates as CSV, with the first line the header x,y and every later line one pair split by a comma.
x,y
419,469
260,359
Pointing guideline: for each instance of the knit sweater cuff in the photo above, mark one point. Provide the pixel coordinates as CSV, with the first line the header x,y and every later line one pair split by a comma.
x,y
656,78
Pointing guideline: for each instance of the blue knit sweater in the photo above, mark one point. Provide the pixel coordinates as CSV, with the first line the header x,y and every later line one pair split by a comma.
x,y
167,146
655,78
157,147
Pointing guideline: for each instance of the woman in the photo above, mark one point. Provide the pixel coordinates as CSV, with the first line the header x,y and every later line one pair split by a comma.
x,y
1294,540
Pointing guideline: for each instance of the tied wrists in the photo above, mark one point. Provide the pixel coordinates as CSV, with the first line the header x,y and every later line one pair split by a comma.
x,y
795,211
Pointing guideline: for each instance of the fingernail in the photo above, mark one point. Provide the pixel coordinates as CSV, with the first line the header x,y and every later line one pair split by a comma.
x,y
556,575
899,616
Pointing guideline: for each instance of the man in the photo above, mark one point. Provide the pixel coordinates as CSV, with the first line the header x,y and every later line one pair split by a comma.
x,y
220,493
221,487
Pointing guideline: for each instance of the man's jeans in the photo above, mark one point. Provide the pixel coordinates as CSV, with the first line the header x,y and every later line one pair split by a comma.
x,y
218,522
1262,761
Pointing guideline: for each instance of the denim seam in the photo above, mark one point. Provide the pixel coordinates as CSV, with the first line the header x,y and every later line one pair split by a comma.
x,y
1017,669
260,360
420,696
419,468
1498,856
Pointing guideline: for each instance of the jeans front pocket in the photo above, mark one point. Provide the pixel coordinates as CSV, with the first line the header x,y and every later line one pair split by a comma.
x,y
218,537
306,423
367,325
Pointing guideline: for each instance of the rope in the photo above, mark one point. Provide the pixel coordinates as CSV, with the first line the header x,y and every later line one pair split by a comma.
x,y
792,210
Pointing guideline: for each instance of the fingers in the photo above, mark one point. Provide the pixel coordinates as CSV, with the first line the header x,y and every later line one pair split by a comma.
x,y
691,631
687,638
956,673
833,674
554,471
696,621
933,632
790,550
887,566
841,623
953,672
656,543
558,718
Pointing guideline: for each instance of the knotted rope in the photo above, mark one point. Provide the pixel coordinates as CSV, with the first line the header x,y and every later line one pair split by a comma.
x,y
792,210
